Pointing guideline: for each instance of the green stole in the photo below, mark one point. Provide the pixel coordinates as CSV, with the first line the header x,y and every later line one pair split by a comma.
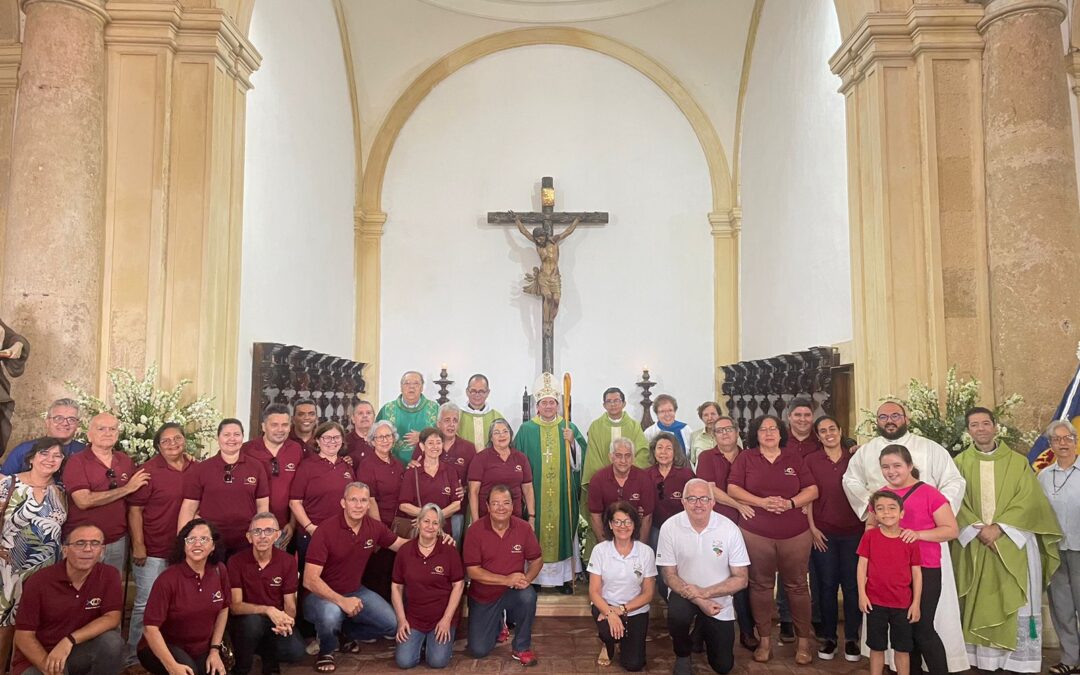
x,y
554,484
993,586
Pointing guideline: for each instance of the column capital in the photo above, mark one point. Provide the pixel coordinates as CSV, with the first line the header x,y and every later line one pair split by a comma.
x,y
369,225
999,9
95,7
726,224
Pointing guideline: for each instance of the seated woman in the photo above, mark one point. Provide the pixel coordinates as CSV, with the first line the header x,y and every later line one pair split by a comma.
x,y
432,482
665,406
188,608
429,574
622,579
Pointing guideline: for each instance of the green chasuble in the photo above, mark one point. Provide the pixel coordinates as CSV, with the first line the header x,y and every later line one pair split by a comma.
x,y
405,419
555,484
474,425
601,432
993,586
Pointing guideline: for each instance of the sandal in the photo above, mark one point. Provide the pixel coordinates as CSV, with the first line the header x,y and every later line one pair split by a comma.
x,y
1062,669
764,651
325,664
349,647
603,659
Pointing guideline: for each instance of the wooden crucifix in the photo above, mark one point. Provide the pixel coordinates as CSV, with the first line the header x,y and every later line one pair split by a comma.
x,y
545,281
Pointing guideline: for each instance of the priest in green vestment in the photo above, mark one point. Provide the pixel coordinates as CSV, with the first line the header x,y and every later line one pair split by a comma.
x,y
614,423
1005,554
476,414
554,449
410,413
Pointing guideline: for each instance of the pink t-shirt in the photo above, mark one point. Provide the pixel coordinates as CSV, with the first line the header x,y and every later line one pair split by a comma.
x,y
919,515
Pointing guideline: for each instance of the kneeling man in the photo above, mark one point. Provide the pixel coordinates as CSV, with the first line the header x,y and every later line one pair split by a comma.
x,y
502,557
69,617
703,559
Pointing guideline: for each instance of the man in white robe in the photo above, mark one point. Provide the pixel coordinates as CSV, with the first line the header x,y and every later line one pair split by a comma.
x,y
863,477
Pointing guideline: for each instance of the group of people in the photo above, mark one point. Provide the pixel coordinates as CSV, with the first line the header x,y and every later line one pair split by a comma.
x,y
344,537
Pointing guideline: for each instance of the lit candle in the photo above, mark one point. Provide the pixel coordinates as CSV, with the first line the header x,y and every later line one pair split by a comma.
x,y
444,366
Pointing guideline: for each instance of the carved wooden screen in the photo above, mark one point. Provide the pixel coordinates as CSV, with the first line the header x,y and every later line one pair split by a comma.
x,y
287,373
766,386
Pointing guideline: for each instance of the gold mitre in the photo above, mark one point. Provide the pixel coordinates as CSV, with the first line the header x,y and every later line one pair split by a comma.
x,y
545,388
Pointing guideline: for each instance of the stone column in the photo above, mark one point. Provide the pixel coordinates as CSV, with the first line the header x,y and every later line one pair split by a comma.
x,y
367,239
1033,219
53,243
725,228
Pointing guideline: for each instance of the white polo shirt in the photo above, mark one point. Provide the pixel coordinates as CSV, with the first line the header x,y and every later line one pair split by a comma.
x,y
704,558
622,576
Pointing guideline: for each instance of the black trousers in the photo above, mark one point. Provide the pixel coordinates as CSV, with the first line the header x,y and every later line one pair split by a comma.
x,y
153,664
632,643
253,634
928,643
719,635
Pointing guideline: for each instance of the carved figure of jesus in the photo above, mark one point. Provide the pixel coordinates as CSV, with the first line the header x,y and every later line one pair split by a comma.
x,y
545,281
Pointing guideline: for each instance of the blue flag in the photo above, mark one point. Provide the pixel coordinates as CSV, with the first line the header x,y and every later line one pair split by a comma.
x,y
1069,409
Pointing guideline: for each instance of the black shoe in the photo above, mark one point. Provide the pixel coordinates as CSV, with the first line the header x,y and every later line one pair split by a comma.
x,y
748,641
827,650
852,651
787,632
567,589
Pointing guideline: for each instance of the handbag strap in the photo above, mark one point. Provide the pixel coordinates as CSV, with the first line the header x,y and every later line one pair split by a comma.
x,y
416,476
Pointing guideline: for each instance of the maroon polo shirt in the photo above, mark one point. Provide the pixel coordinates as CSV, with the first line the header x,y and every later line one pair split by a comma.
x,y
384,480
84,471
52,608
832,511
264,585
343,554
160,501
320,486
358,448
783,478
289,456
309,447
489,469
428,582
184,606
638,489
440,489
669,491
229,506
504,554
715,468
460,455
805,447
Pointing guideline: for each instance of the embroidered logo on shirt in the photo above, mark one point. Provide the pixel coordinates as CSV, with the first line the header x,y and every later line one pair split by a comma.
x,y
676,495
446,490
517,467
370,543
717,548
789,471
516,548
460,460
275,582
438,569
216,597
93,603
636,495
290,467
251,480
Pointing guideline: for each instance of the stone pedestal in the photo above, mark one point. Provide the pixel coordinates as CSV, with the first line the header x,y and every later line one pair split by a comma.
x,y
1033,218
53,240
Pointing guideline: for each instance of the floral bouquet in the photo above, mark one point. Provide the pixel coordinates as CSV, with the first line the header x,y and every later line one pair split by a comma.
x,y
142,408
948,427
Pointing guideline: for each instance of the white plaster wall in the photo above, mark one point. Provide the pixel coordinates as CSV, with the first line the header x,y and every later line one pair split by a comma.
x,y
635,292
796,268
297,279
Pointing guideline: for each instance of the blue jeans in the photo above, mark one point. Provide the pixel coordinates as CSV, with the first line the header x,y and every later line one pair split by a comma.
x,y
486,620
837,569
145,577
457,527
374,621
407,654
116,554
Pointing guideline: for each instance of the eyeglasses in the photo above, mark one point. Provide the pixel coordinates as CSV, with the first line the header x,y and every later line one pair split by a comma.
x,y
111,475
383,437
1063,439
86,543
704,499
264,531
172,440
275,468
228,473
60,419
894,417
724,430
622,522
191,541
332,440
477,391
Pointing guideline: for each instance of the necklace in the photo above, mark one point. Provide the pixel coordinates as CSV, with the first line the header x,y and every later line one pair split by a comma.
x,y
1059,488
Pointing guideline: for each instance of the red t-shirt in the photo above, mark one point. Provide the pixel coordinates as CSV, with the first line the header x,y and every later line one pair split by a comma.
x,y
805,447
489,469
84,471
288,457
888,571
783,478
832,511
504,554
669,491
638,489
440,489
357,448
715,468
427,582
384,481
268,585
229,506
320,486
343,554
52,608
160,501
184,606
460,455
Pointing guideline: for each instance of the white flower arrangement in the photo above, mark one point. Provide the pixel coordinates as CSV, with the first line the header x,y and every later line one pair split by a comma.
x,y
142,408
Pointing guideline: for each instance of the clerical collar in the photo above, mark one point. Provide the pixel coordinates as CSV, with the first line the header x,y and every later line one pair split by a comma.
x,y
403,404
473,411
987,452
618,421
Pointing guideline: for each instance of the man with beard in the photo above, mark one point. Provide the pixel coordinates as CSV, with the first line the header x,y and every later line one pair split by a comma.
x,y
936,468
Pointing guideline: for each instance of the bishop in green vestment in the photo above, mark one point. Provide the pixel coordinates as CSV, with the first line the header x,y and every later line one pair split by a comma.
x,y
1006,552
554,449
410,413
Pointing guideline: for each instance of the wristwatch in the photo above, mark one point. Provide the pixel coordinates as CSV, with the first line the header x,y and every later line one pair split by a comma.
x,y
218,647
